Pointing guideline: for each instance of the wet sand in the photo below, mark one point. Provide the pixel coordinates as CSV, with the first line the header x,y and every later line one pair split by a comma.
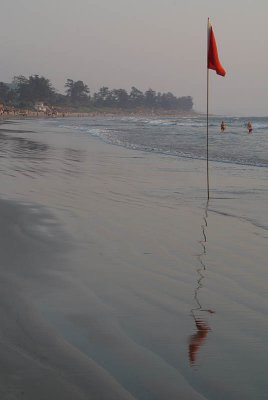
x,y
119,281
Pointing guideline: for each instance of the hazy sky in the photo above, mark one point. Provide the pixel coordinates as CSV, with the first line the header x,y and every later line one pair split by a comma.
x,y
143,43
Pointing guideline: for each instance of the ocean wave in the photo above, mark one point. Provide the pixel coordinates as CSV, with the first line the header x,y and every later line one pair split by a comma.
x,y
182,137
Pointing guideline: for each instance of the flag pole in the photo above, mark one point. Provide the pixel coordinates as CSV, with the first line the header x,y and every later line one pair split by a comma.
x,y
207,105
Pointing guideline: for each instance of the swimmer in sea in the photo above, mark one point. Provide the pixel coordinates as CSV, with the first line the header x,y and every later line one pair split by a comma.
x,y
249,126
223,126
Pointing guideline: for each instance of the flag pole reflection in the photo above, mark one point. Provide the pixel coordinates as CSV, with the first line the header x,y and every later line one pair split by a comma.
x,y
201,325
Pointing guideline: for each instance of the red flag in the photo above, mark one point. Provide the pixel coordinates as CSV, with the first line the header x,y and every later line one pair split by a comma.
x,y
213,57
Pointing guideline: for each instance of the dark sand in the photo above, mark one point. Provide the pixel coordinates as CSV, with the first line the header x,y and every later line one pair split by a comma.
x,y
118,283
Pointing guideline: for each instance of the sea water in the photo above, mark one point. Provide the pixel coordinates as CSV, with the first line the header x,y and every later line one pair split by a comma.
x,y
232,153
183,136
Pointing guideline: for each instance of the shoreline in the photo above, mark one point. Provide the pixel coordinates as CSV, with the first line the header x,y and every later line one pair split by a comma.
x,y
101,295
28,114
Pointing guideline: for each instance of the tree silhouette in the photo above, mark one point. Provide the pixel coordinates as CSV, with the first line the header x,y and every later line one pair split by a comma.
x,y
38,88
34,89
77,92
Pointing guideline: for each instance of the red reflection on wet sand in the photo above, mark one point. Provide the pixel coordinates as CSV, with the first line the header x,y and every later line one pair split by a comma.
x,y
197,339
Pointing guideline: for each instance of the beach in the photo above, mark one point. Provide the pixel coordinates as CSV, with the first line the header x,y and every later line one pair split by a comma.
x,y
118,279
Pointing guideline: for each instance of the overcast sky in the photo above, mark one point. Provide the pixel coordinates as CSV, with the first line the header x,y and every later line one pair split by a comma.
x,y
143,43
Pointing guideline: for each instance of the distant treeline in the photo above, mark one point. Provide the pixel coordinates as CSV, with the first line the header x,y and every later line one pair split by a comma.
x,y
25,92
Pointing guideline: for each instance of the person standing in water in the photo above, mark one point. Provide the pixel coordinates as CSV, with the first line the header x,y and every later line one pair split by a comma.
x,y
249,126
223,126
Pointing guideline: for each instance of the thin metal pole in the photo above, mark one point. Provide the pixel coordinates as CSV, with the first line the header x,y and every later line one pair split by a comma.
x,y
207,133
207,106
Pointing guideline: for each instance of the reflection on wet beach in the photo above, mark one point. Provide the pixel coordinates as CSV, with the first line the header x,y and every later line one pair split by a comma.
x,y
202,328
13,146
132,299
34,158
73,160
28,156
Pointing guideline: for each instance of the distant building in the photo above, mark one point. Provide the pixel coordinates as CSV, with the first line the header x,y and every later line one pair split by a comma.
x,y
39,106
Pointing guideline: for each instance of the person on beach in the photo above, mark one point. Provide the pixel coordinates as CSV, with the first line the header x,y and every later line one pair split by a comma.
x,y
249,126
223,126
